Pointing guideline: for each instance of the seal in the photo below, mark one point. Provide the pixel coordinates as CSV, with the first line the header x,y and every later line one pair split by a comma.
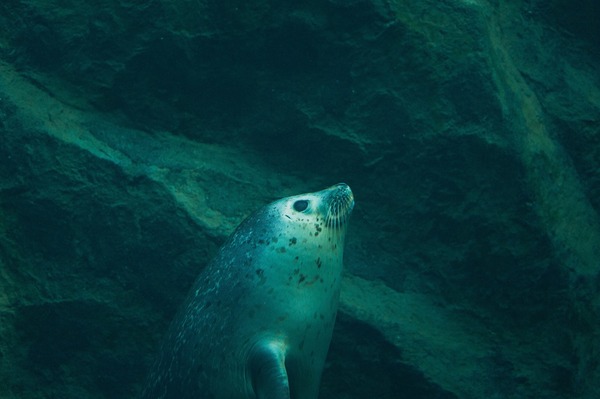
x,y
258,321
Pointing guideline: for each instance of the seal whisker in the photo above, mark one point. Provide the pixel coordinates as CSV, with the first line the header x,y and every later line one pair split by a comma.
x,y
339,210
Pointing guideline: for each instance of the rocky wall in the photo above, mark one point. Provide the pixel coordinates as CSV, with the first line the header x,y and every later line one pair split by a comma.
x,y
134,138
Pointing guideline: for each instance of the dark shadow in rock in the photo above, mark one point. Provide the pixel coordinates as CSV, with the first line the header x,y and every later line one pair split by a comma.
x,y
60,338
363,364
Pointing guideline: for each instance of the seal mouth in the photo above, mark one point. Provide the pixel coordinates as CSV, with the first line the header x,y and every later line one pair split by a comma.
x,y
341,203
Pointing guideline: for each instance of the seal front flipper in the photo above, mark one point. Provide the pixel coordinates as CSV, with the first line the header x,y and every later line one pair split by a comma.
x,y
267,371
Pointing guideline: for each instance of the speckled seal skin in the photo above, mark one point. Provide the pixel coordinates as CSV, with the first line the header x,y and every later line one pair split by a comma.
x,y
259,319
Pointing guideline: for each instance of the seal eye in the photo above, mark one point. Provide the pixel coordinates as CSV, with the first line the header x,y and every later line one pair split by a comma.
x,y
301,205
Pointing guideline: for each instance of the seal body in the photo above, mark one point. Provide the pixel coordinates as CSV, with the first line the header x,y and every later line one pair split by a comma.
x,y
258,320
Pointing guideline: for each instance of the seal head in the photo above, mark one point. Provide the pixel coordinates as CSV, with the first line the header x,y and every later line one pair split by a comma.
x,y
259,319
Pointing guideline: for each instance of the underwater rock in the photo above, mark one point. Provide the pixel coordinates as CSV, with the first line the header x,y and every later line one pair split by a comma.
x,y
134,138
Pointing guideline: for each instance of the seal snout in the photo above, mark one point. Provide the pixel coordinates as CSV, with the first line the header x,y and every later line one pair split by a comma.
x,y
340,202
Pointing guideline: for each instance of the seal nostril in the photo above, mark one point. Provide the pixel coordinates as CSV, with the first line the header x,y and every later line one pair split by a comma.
x,y
301,205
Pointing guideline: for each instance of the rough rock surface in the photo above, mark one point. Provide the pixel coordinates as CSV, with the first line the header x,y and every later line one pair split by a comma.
x,y
134,138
